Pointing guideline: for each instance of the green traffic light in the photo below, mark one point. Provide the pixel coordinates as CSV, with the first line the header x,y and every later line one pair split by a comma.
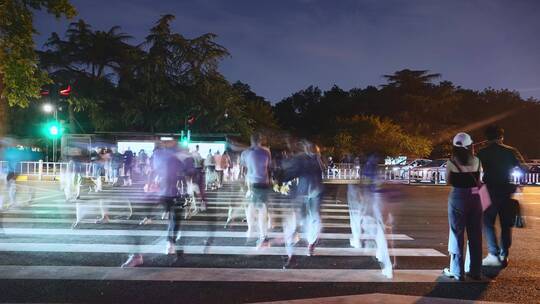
x,y
53,129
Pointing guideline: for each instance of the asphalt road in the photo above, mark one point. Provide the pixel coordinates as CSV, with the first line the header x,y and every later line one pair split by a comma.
x,y
43,260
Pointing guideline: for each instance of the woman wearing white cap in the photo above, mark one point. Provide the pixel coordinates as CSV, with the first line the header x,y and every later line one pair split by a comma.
x,y
464,209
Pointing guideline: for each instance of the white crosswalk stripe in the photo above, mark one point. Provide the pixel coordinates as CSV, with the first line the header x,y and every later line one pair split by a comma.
x,y
185,233
42,227
190,249
217,274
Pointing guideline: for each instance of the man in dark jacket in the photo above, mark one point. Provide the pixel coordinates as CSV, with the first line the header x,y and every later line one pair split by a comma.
x,y
498,161
307,167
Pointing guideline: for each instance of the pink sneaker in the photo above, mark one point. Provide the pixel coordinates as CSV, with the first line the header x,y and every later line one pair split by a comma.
x,y
133,261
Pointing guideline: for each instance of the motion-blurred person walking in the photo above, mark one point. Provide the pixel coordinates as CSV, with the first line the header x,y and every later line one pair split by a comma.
x,y
13,156
167,167
307,167
257,160
366,217
219,169
142,162
116,164
199,176
226,166
128,167
210,167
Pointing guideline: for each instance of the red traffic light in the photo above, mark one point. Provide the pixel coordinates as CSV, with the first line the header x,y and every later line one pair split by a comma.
x,y
44,92
191,120
66,91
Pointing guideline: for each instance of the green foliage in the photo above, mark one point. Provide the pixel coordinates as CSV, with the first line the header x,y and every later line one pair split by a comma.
x,y
363,135
158,84
422,110
19,71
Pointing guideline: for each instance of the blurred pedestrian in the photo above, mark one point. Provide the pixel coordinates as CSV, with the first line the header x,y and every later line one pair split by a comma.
x,y
167,167
13,156
307,167
257,161
210,168
95,160
117,160
226,166
142,162
199,176
128,166
366,217
219,169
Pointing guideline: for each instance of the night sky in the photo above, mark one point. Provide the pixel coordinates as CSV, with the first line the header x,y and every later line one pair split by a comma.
x,y
281,46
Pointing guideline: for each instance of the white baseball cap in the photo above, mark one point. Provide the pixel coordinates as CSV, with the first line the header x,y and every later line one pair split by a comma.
x,y
462,140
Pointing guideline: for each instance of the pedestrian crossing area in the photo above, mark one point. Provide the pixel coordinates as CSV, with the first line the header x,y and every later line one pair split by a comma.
x,y
212,243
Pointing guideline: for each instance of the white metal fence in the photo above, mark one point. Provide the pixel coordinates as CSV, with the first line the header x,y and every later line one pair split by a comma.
x,y
417,175
389,174
42,169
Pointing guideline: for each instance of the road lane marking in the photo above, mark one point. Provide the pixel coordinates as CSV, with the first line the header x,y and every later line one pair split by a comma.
x,y
136,222
174,274
184,233
93,211
135,205
217,250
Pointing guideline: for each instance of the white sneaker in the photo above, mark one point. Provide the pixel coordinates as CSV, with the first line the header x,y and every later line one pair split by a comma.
x,y
171,249
504,260
491,260
103,220
355,243
145,221
133,260
262,242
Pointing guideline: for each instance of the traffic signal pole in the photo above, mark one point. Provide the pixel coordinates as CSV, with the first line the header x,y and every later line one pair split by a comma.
x,y
54,137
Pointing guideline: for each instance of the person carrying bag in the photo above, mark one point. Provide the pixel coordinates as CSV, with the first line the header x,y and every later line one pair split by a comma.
x,y
464,210
498,162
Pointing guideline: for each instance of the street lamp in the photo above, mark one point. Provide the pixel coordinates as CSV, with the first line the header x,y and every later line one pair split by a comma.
x,y
48,108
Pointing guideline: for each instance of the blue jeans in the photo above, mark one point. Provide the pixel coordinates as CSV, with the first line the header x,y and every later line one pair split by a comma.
x,y
500,205
175,214
464,214
312,223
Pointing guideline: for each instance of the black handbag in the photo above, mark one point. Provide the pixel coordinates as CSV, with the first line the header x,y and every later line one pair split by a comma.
x,y
517,219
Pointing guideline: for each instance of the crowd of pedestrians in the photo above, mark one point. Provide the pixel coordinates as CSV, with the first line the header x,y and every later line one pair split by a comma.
x,y
179,180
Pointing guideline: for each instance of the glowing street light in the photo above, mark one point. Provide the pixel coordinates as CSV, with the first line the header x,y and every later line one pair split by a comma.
x,y
48,108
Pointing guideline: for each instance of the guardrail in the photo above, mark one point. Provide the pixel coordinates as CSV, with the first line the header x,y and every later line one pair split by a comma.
x,y
526,179
46,169
413,176
389,174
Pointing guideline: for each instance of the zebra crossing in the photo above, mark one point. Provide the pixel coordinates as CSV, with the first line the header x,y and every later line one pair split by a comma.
x,y
44,227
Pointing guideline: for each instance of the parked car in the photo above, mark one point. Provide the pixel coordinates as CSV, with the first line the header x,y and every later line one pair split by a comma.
x,y
534,169
433,172
401,171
